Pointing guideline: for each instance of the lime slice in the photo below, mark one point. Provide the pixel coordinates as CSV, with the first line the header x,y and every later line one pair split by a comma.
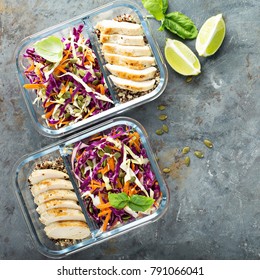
x,y
181,58
211,36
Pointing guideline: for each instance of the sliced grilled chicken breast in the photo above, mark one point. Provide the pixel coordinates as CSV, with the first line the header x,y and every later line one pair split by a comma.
x,y
61,214
50,184
126,50
130,74
116,27
122,39
57,203
54,194
67,230
132,85
43,174
137,63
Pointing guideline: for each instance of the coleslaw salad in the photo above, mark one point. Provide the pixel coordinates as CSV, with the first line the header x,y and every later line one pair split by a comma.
x,y
66,78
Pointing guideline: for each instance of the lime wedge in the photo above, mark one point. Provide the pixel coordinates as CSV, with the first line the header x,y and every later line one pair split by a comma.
x,y
211,36
181,58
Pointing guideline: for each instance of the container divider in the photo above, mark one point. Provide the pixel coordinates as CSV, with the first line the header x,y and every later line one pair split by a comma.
x,y
94,228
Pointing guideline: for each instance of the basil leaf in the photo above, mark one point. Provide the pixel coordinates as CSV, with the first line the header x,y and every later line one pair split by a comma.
x,y
140,202
180,24
156,7
164,6
118,200
50,48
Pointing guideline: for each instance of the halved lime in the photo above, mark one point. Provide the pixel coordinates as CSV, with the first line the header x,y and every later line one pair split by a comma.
x,y
181,58
211,36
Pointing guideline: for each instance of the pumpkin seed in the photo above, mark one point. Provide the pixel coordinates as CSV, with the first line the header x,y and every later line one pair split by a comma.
x,y
163,117
107,150
161,107
165,128
90,163
117,155
166,170
198,154
189,79
95,82
187,161
208,143
100,153
66,95
98,74
132,180
185,150
159,132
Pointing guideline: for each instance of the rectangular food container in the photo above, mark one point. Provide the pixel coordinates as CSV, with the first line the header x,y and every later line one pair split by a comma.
x,y
89,20
25,165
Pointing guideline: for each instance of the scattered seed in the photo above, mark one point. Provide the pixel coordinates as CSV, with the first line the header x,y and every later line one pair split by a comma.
x,y
189,79
208,143
163,117
166,170
185,150
159,132
165,128
187,161
198,154
161,107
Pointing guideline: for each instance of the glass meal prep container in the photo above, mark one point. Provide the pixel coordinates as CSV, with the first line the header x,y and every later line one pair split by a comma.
x,y
63,149
88,21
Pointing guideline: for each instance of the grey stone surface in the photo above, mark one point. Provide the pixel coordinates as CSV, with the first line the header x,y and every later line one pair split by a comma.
x,y
214,211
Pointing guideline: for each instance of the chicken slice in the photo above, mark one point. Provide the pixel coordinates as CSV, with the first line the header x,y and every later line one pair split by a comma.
x,y
126,50
43,174
132,85
122,39
55,194
130,74
137,63
51,184
67,230
61,214
58,203
116,27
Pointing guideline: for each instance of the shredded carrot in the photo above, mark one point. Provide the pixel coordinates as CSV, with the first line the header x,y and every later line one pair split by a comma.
x,y
135,140
103,213
113,148
111,163
90,112
133,166
34,86
30,68
104,206
49,114
47,104
104,170
119,183
100,197
126,187
96,138
133,190
101,89
105,224
94,182
39,74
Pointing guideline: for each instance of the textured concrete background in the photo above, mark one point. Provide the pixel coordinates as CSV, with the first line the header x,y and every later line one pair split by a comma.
x,y
215,203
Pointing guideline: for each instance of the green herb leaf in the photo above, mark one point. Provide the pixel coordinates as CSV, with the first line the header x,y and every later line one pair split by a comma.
x,y
180,24
165,6
157,8
50,48
118,200
140,202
